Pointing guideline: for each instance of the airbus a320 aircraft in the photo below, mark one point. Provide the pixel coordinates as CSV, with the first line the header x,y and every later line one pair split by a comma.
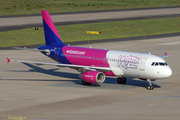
x,y
95,64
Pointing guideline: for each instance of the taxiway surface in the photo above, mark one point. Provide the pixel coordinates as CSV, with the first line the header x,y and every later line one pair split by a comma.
x,y
9,21
42,92
21,22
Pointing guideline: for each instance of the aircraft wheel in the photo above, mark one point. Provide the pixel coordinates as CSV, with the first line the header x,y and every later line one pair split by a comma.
x,y
124,80
84,82
88,83
119,80
150,87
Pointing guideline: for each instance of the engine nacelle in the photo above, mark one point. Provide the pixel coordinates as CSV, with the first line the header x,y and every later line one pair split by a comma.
x,y
93,77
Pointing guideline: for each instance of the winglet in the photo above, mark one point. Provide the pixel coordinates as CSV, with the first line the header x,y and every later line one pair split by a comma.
x,y
8,60
165,53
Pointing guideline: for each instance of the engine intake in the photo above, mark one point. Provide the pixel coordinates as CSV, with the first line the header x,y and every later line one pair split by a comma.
x,y
93,77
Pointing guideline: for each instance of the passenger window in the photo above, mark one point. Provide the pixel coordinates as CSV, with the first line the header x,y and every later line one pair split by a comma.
x,y
152,63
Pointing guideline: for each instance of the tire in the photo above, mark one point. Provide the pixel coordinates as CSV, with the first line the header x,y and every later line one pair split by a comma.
x,y
119,80
88,83
124,80
83,82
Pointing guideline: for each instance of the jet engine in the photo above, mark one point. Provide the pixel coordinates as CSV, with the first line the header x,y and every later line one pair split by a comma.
x,y
92,77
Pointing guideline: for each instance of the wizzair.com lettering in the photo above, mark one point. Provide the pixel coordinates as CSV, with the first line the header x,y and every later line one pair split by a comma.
x,y
75,52
89,76
128,61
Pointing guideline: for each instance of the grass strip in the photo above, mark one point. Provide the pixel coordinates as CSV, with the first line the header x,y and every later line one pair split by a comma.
x,y
28,7
78,32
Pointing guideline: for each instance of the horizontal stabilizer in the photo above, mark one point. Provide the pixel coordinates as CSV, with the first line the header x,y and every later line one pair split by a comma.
x,y
46,50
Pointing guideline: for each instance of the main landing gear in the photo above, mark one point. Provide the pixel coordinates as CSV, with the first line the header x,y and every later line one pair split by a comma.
x,y
150,87
121,80
85,83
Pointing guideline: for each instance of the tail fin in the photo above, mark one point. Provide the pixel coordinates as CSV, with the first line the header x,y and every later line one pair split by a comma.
x,y
51,35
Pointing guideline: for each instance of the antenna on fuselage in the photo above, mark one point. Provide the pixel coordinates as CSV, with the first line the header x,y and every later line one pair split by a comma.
x,y
90,46
149,53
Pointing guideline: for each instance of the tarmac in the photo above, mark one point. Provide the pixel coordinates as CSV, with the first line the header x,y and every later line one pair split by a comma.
x,y
43,92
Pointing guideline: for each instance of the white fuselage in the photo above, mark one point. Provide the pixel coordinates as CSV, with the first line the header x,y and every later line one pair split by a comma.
x,y
137,65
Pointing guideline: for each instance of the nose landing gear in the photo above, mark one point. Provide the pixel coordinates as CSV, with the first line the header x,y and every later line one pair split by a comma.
x,y
150,87
123,80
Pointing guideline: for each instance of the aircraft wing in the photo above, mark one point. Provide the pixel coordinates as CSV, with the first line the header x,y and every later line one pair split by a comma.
x,y
164,56
88,68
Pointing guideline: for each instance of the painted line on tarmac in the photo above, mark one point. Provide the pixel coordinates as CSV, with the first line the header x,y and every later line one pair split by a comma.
x,y
14,117
136,117
167,92
34,68
15,73
9,65
169,43
17,118
159,97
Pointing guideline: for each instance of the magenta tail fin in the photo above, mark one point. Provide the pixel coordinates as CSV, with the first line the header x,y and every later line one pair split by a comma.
x,y
51,35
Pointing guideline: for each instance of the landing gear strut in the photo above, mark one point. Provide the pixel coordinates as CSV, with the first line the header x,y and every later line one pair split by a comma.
x,y
121,80
85,83
150,87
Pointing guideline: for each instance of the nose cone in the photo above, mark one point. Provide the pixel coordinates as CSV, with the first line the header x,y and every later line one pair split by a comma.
x,y
167,72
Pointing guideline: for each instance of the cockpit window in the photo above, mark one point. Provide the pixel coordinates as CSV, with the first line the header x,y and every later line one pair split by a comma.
x,y
162,64
159,64
152,63
156,64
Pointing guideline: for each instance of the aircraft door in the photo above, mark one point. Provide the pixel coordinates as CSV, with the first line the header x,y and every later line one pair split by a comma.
x,y
142,63
105,62
56,53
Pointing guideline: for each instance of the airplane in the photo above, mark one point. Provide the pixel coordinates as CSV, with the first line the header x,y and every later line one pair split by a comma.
x,y
95,64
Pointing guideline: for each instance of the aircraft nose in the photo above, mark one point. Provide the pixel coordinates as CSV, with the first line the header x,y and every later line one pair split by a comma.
x,y
167,72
